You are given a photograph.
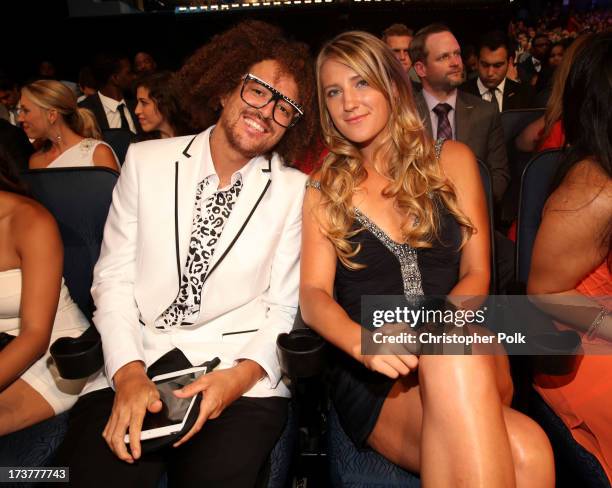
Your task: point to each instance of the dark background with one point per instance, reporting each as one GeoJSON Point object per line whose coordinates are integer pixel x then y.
{"type": "Point", "coordinates": [45, 30]}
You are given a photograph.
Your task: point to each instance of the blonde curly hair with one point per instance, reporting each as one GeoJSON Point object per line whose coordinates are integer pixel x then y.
{"type": "Point", "coordinates": [414, 174]}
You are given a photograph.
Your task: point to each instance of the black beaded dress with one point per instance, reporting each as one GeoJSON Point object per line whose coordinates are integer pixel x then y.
{"type": "Point", "coordinates": [392, 268]}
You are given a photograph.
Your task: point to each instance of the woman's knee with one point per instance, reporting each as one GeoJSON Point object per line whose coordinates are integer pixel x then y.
{"type": "Point", "coordinates": [531, 450]}
{"type": "Point", "coordinates": [469, 377]}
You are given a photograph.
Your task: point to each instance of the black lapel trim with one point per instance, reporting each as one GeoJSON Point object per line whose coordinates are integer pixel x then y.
{"type": "Point", "coordinates": [176, 226]}
{"type": "Point", "coordinates": [186, 150]}
{"type": "Point", "coordinates": [240, 231]}
{"type": "Point", "coordinates": [269, 168]}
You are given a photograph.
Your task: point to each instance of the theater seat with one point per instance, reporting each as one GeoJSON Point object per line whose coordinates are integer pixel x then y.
{"type": "Point", "coordinates": [352, 468]}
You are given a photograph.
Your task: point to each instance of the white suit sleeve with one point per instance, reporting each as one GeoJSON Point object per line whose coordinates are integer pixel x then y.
{"type": "Point", "coordinates": [116, 315]}
{"type": "Point", "coordinates": [282, 295]}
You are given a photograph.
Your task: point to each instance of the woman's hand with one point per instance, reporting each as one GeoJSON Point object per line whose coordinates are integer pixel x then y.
{"type": "Point", "coordinates": [391, 358]}
{"type": "Point", "coordinates": [391, 366]}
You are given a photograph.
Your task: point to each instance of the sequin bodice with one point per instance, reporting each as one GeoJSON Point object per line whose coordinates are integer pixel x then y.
{"type": "Point", "coordinates": [393, 268]}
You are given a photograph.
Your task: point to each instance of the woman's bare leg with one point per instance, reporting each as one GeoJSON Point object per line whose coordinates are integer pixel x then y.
{"type": "Point", "coordinates": [454, 429]}
{"type": "Point", "coordinates": [22, 406]}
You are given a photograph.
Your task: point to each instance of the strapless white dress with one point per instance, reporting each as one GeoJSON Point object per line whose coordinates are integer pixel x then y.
{"type": "Point", "coordinates": [69, 322]}
{"type": "Point", "coordinates": [80, 154]}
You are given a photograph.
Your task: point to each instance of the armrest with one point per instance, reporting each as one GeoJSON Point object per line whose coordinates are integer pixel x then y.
{"type": "Point", "coordinates": [78, 357]}
{"type": "Point", "coordinates": [302, 353]}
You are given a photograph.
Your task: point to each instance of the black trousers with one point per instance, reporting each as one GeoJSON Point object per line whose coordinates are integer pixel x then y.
{"type": "Point", "coordinates": [228, 452]}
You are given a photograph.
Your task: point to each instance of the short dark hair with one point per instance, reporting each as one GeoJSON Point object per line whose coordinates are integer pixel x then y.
{"type": "Point", "coordinates": [396, 30]}
{"type": "Point", "coordinates": [218, 68]}
{"type": "Point", "coordinates": [105, 65]}
{"type": "Point", "coordinates": [163, 92]}
{"type": "Point", "coordinates": [417, 46]}
{"type": "Point", "coordinates": [541, 35]}
{"type": "Point", "coordinates": [493, 40]}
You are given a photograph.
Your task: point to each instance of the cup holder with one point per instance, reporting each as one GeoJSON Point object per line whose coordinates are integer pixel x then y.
{"type": "Point", "coordinates": [78, 357]}
{"type": "Point", "coordinates": [302, 353]}
{"type": "Point", "coordinates": [555, 353]}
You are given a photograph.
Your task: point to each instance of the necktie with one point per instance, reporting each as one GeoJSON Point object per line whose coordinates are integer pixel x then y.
{"type": "Point", "coordinates": [124, 121]}
{"type": "Point", "coordinates": [493, 95]}
{"type": "Point", "coordinates": [444, 128]}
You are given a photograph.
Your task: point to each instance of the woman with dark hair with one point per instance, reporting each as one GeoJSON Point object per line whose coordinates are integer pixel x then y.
{"type": "Point", "coordinates": [576, 231]}
{"type": "Point", "coordinates": [392, 213]}
{"type": "Point", "coordinates": [49, 112]}
{"type": "Point", "coordinates": [35, 309]}
{"type": "Point", "coordinates": [158, 109]}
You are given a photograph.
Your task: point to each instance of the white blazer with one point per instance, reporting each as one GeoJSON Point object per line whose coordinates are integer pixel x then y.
{"type": "Point", "coordinates": [251, 291]}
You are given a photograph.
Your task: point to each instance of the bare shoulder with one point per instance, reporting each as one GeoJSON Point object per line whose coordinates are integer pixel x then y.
{"type": "Point", "coordinates": [586, 188]}
{"type": "Point", "coordinates": [315, 176]}
{"type": "Point", "coordinates": [27, 218]}
{"type": "Point", "coordinates": [458, 162]}
{"type": "Point", "coordinates": [104, 156]}
{"type": "Point", "coordinates": [40, 159]}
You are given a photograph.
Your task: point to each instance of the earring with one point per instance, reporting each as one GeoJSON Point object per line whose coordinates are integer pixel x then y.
{"type": "Point", "coordinates": [58, 138]}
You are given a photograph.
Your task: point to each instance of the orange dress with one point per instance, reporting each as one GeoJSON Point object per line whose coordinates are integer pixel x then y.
{"type": "Point", "coordinates": [584, 402]}
{"type": "Point", "coordinates": [555, 139]}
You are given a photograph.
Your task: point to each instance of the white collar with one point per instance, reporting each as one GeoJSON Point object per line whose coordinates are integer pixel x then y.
{"type": "Point", "coordinates": [110, 103]}
{"type": "Point", "coordinates": [483, 89]}
{"type": "Point", "coordinates": [208, 168]}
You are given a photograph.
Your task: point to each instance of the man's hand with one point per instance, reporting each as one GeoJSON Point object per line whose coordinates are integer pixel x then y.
{"type": "Point", "coordinates": [219, 390]}
{"type": "Point", "coordinates": [135, 394]}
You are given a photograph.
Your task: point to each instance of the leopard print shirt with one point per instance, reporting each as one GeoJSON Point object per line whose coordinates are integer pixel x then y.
{"type": "Point", "coordinates": [209, 218]}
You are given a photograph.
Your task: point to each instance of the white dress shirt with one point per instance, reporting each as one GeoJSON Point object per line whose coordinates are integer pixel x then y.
{"type": "Point", "coordinates": [486, 94]}
{"type": "Point", "coordinates": [431, 102]}
{"type": "Point", "coordinates": [112, 112]}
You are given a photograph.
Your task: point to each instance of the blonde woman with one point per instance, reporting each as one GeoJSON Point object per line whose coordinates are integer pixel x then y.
{"type": "Point", "coordinates": [390, 213]}
{"type": "Point", "coordinates": [48, 112]}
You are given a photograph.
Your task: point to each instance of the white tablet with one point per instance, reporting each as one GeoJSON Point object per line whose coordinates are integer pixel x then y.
{"type": "Point", "coordinates": [175, 411]}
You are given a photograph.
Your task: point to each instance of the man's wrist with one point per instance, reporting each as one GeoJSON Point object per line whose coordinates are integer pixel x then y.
{"type": "Point", "coordinates": [250, 372]}
{"type": "Point", "coordinates": [129, 370]}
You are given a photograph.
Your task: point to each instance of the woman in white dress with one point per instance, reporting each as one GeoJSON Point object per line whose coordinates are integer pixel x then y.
{"type": "Point", "coordinates": [69, 134]}
{"type": "Point", "coordinates": [35, 309]}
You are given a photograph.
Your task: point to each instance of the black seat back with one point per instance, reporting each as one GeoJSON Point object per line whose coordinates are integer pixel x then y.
{"type": "Point", "coordinates": [119, 140]}
{"type": "Point", "coordinates": [485, 176]}
{"type": "Point", "coordinates": [535, 185]}
{"type": "Point", "coordinates": [514, 121]}
{"type": "Point", "coordinates": [79, 199]}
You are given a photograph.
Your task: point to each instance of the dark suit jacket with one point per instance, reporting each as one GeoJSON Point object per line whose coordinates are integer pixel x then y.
{"type": "Point", "coordinates": [526, 70]}
{"type": "Point", "coordinates": [93, 103]}
{"type": "Point", "coordinates": [478, 125]}
{"type": "Point", "coordinates": [516, 95]}
{"type": "Point", "coordinates": [15, 145]}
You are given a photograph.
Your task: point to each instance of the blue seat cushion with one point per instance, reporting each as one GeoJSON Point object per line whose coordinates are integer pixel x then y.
{"type": "Point", "coordinates": [352, 468]}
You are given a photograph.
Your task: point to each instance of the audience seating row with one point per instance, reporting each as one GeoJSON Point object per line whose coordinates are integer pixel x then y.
{"type": "Point", "coordinates": [79, 199]}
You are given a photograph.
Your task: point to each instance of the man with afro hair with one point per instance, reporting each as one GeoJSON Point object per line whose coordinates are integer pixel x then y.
{"type": "Point", "coordinates": [200, 259]}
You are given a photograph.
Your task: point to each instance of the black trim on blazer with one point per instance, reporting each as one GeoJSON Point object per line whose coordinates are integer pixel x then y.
{"type": "Point", "coordinates": [185, 151]}
{"type": "Point", "coordinates": [239, 232]}
{"type": "Point", "coordinates": [269, 168]}
{"type": "Point", "coordinates": [176, 229]}
{"type": "Point", "coordinates": [239, 332]}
